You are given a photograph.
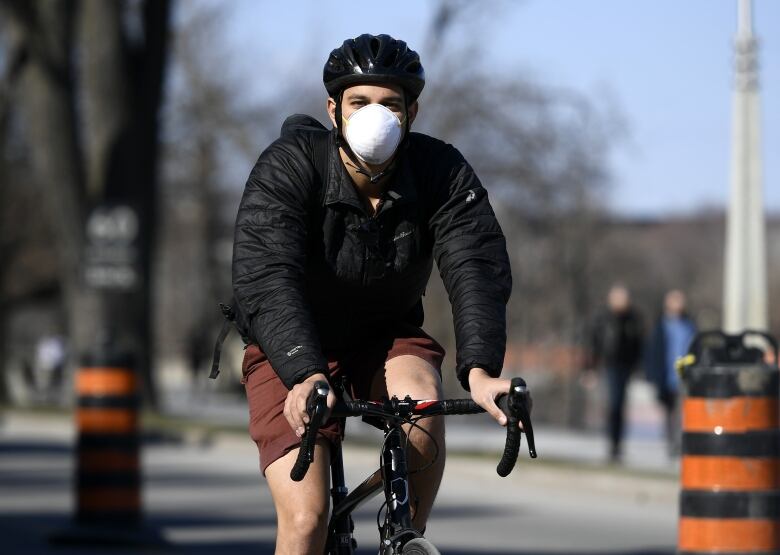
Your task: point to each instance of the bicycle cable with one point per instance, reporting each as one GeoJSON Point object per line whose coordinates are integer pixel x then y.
{"type": "Point", "coordinates": [437, 451]}
{"type": "Point", "coordinates": [378, 516]}
{"type": "Point", "coordinates": [413, 423]}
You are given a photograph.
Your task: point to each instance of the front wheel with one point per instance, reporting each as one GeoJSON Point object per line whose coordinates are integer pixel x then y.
{"type": "Point", "coordinates": [419, 546]}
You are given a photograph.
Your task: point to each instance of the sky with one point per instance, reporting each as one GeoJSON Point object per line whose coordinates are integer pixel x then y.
{"type": "Point", "coordinates": [665, 65]}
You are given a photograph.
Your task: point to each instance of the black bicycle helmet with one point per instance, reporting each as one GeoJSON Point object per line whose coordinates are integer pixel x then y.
{"type": "Point", "coordinates": [374, 59]}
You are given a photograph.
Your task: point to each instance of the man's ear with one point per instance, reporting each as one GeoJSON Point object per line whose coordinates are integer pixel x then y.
{"type": "Point", "coordinates": [411, 112]}
{"type": "Point", "coordinates": [332, 111]}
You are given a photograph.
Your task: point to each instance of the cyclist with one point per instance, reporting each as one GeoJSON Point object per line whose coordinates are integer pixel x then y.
{"type": "Point", "coordinates": [330, 268]}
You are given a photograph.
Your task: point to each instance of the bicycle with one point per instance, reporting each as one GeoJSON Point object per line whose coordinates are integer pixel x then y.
{"type": "Point", "coordinates": [397, 536]}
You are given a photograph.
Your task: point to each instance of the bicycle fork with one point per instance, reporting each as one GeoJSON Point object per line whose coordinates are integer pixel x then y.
{"type": "Point", "coordinates": [341, 527]}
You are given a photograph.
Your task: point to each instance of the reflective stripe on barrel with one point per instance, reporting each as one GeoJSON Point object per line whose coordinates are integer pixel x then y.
{"type": "Point", "coordinates": [730, 472]}
{"type": "Point", "coordinates": [717, 535]}
{"type": "Point", "coordinates": [106, 381]}
{"type": "Point", "coordinates": [738, 414]}
{"type": "Point", "coordinates": [108, 469]}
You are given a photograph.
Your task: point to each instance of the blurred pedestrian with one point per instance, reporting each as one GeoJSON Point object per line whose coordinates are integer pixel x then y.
{"type": "Point", "coordinates": [616, 344]}
{"type": "Point", "coordinates": [198, 351]}
{"type": "Point", "coordinates": [670, 340]}
{"type": "Point", "coordinates": [50, 357]}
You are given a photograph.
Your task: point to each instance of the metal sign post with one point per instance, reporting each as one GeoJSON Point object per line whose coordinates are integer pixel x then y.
{"type": "Point", "coordinates": [108, 474]}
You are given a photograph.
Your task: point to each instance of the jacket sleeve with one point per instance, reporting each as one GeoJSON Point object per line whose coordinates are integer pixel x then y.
{"type": "Point", "coordinates": [470, 251]}
{"type": "Point", "coordinates": [269, 256]}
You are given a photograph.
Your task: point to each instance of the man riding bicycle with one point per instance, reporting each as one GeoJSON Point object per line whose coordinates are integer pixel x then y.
{"type": "Point", "coordinates": [334, 245]}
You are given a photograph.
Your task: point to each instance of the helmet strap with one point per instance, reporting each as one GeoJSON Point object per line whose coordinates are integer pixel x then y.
{"type": "Point", "coordinates": [339, 136]}
{"type": "Point", "coordinates": [407, 124]}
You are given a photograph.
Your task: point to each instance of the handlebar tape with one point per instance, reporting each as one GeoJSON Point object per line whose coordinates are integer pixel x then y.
{"type": "Point", "coordinates": [516, 406]}
{"type": "Point", "coordinates": [317, 407]}
{"type": "Point", "coordinates": [461, 406]}
{"type": "Point", "coordinates": [512, 445]}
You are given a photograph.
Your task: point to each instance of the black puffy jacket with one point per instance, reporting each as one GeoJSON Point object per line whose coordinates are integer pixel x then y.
{"type": "Point", "coordinates": [312, 270]}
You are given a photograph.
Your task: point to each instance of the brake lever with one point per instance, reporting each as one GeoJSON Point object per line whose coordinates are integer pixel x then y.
{"type": "Point", "coordinates": [318, 403]}
{"type": "Point", "coordinates": [522, 399]}
{"type": "Point", "coordinates": [519, 404]}
{"type": "Point", "coordinates": [516, 407]}
{"type": "Point", "coordinates": [316, 406]}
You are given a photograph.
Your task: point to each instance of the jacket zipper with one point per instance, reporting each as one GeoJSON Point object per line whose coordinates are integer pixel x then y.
{"type": "Point", "coordinates": [366, 257]}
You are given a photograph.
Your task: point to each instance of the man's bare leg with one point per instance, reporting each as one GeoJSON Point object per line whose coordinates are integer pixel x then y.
{"type": "Point", "coordinates": [411, 375]}
{"type": "Point", "coordinates": [301, 507]}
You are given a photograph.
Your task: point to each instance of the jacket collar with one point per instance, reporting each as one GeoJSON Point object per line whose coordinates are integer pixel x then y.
{"type": "Point", "coordinates": [340, 189]}
{"type": "Point", "coordinates": [402, 188]}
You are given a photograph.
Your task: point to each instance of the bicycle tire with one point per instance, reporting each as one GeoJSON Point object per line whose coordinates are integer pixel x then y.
{"type": "Point", "coordinates": [419, 546]}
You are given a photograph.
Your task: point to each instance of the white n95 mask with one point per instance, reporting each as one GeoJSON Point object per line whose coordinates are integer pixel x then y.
{"type": "Point", "coordinates": [373, 133]}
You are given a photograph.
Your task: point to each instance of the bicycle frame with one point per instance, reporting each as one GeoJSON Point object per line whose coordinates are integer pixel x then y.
{"type": "Point", "coordinates": [392, 477]}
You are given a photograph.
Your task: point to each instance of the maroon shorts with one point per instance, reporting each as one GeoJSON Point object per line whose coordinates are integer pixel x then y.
{"type": "Point", "coordinates": [266, 393]}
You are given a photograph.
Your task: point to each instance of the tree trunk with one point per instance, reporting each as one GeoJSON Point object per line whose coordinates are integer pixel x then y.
{"type": "Point", "coordinates": [150, 80]}
{"type": "Point", "coordinates": [4, 394]}
{"type": "Point", "coordinates": [105, 97]}
{"type": "Point", "coordinates": [47, 99]}
{"type": "Point", "coordinates": [122, 83]}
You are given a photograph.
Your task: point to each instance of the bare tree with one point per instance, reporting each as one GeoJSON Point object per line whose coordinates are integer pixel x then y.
{"type": "Point", "coordinates": [543, 154]}
{"type": "Point", "coordinates": [89, 89]}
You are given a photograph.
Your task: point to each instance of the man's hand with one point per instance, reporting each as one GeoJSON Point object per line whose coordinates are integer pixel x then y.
{"type": "Point", "coordinates": [485, 389]}
{"type": "Point", "coordinates": [295, 404]}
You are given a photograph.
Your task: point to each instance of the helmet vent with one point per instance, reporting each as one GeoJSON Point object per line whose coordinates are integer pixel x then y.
{"type": "Point", "coordinates": [414, 67]}
{"type": "Point", "coordinates": [390, 59]}
{"type": "Point", "coordinates": [335, 64]}
{"type": "Point", "coordinates": [375, 47]}
{"type": "Point", "coordinates": [358, 56]}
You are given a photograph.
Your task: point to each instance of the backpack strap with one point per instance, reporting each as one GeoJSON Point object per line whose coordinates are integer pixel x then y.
{"type": "Point", "coordinates": [230, 319]}
{"type": "Point", "coordinates": [320, 141]}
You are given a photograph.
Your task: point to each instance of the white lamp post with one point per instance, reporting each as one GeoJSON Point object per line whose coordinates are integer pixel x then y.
{"type": "Point", "coordinates": [745, 280]}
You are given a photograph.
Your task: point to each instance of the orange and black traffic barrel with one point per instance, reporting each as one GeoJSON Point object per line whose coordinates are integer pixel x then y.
{"type": "Point", "coordinates": [108, 477]}
{"type": "Point", "coordinates": [730, 473]}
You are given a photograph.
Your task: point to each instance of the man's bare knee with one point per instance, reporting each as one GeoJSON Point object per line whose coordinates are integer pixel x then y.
{"type": "Point", "coordinates": [301, 507]}
{"type": "Point", "coordinates": [305, 522]}
{"type": "Point", "coordinates": [413, 376]}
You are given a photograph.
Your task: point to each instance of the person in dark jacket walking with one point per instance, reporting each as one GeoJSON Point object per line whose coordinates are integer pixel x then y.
{"type": "Point", "coordinates": [670, 340]}
{"type": "Point", "coordinates": [329, 267]}
{"type": "Point", "coordinates": [616, 344]}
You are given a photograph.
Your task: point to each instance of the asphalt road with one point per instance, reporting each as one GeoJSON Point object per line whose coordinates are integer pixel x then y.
{"type": "Point", "coordinates": [208, 497]}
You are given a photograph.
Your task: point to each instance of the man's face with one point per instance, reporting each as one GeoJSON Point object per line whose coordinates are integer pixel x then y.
{"type": "Point", "coordinates": [354, 98]}
{"type": "Point", "coordinates": [618, 299]}
{"type": "Point", "coordinates": [674, 303]}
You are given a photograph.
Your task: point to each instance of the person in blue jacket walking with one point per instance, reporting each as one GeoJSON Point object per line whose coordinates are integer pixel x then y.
{"type": "Point", "coordinates": [669, 340]}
